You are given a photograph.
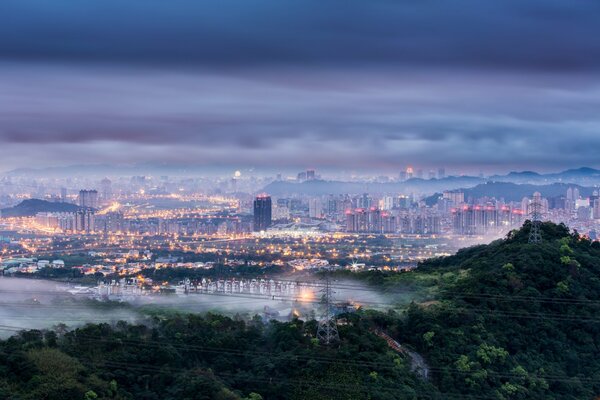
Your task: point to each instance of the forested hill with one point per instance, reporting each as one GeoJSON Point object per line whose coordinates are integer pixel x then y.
{"type": "Point", "coordinates": [514, 320]}
{"type": "Point", "coordinates": [30, 207]}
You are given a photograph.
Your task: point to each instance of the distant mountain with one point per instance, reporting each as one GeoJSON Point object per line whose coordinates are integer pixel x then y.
{"type": "Point", "coordinates": [30, 207]}
{"type": "Point", "coordinates": [515, 192]}
{"type": "Point", "coordinates": [322, 187]}
{"type": "Point", "coordinates": [584, 175]}
{"type": "Point", "coordinates": [523, 174]}
{"type": "Point", "coordinates": [512, 186]}
{"type": "Point", "coordinates": [580, 172]}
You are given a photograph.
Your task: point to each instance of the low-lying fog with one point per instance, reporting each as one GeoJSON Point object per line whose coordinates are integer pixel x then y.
{"type": "Point", "coordinates": [40, 304]}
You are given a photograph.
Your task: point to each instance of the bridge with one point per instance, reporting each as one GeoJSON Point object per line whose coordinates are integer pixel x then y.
{"type": "Point", "coordinates": [128, 288]}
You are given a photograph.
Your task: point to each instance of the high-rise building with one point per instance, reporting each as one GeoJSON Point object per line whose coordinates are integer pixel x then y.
{"type": "Point", "coordinates": [109, 223]}
{"type": "Point", "coordinates": [315, 209]}
{"type": "Point", "coordinates": [596, 209]}
{"type": "Point", "coordinates": [262, 212]}
{"type": "Point", "coordinates": [483, 219]}
{"type": "Point", "coordinates": [456, 197]}
{"type": "Point", "coordinates": [84, 221]}
{"type": "Point", "coordinates": [441, 173]}
{"type": "Point", "coordinates": [88, 199]}
{"type": "Point", "coordinates": [63, 194]}
{"type": "Point", "coordinates": [106, 189]}
{"type": "Point", "coordinates": [387, 203]}
{"type": "Point", "coordinates": [372, 220]}
{"type": "Point", "coordinates": [572, 197]}
{"type": "Point", "coordinates": [365, 201]}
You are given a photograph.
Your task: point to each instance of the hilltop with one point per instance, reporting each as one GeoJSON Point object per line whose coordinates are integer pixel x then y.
{"type": "Point", "coordinates": [30, 207]}
{"type": "Point", "coordinates": [512, 320]}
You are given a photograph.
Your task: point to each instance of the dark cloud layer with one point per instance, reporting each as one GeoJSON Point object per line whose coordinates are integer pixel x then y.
{"type": "Point", "coordinates": [342, 84]}
{"type": "Point", "coordinates": [531, 34]}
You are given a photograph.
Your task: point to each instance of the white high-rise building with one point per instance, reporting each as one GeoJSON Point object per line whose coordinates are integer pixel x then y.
{"type": "Point", "coordinates": [387, 203]}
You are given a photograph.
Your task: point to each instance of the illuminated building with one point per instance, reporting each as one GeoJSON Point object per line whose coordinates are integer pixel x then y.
{"type": "Point", "coordinates": [481, 220]}
{"type": "Point", "coordinates": [84, 221]}
{"type": "Point", "coordinates": [109, 223]}
{"type": "Point", "coordinates": [262, 213]}
{"type": "Point", "coordinates": [373, 220]}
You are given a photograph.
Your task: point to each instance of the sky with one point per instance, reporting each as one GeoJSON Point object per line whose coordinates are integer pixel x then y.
{"type": "Point", "coordinates": [374, 85]}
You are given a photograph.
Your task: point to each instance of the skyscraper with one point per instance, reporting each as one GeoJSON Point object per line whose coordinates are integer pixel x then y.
{"type": "Point", "coordinates": [315, 208]}
{"type": "Point", "coordinates": [63, 194]}
{"type": "Point", "coordinates": [84, 221]}
{"type": "Point", "coordinates": [106, 186]}
{"type": "Point", "coordinates": [88, 198]}
{"type": "Point", "coordinates": [596, 209]}
{"type": "Point", "coordinates": [262, 212]}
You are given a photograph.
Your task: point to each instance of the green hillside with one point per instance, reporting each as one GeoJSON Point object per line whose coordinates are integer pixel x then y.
{"type": "Point", "coordinates": [518, 321]}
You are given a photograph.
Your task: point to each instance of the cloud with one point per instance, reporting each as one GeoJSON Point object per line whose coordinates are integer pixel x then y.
{"type": "Point", "coordinates": [353, 84]}
{"type": "Point", "coordinates": [360, 119]}
{"type": "Point", "coordinates": [515, 34]}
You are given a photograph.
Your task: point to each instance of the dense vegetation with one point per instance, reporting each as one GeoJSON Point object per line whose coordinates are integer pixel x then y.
{"type": "Point", "coordinates": [508, 320]}
{"type": "Point", "coordinates": [204, 357]}
{"type": "Point", "coordinates": [517, 321]}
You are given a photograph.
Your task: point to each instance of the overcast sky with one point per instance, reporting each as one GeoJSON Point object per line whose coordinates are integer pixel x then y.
{"type": "Point", "coordinates": [469, 85]}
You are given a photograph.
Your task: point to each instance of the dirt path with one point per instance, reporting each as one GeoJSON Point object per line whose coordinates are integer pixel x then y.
{"type": "Point", "coordinates": [417, 362]}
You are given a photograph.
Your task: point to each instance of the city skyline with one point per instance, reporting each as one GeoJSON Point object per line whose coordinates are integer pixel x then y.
{"type": "Point", "coordinates": [468, 86]}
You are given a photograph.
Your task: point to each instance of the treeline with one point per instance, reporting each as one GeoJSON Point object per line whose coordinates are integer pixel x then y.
{"type": "Point", "coordinates": [514, 321]}
{"type": "Point", "coordinates": [205, 357]}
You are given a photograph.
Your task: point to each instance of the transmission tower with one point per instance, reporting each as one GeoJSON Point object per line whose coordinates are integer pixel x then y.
{"type": "Point", "coordinates": [327, 331]}
{"type": "Point", "coordinates": [535, 234]}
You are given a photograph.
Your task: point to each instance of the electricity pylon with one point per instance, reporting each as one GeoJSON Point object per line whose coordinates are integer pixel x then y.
{"type": "Point", "coordinates": [535, 233]}
{"type": "Point", "coordinates": [327, 331]}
